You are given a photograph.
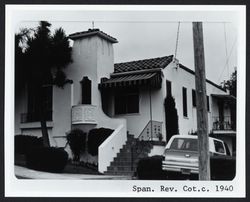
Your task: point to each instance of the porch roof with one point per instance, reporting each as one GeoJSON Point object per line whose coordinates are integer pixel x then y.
{"type": "Point", "coordinates": [146, 64]}
{"type": "Point", "coordinates": [133, 79]}
{"type": "Point", "coordinates": [224, 97]}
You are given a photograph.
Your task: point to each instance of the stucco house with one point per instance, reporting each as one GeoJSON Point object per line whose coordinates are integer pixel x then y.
{"type": "Point", "coordinates": [126, 97]}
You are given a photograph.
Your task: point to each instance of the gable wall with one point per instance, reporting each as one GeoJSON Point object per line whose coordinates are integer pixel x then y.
{"type": "Point", "coordinates": [181, 78]}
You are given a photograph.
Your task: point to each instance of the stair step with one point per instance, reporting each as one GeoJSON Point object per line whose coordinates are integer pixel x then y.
{"type": "Point", "coordinates": [124, 163]}
{"type": "Point", "coordinates": [122, 168]}
{"type": "Point", "coordinates": [128, 157]}
{"type": "Point", "coordinates": [134, 151]}
{"type": "Point", "coordinates": [120, 173]}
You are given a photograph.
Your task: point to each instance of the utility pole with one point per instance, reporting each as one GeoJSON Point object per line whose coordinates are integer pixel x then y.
{"type": "Point", "coordinates": [201, 102]}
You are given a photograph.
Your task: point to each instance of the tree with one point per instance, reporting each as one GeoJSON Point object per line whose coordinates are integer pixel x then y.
{"type": "Point", "coordinates": [231, 84]}
{"type": "Point", "coordinates": [172, 126]}
{"type": "Point", "coordinates": [20, 39]}
{"type": "Point", "coordinates": [42, 56]}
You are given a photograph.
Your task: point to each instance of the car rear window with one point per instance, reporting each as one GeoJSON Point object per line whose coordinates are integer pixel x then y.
{"type": "Point", "coordinates": [184, 144]}
{"type": "Point", "coordinates": [219, 146]}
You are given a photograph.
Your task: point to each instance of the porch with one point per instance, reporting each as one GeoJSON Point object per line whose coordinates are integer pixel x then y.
{"type": "Point", "coordinates": [224, 120]}
{"type": "Point", "coordinates": [224, 123]}
{"type": "Point", "coordinates": [224, 115]}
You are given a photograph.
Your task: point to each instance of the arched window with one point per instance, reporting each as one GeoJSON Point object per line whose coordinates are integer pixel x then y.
{"type": "Point", "coordinates": [86, 90]}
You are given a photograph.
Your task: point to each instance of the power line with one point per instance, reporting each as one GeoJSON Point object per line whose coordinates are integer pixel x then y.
{"type": "Point", "coordinates": [225, 37]}
{"type": "Point", "coordinates": [227, 59]}
{"type": "Point", "coordinates": [177, 40]}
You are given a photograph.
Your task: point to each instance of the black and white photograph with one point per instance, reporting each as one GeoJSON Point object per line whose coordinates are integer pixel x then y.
{"type": "Point", "coordinates": [140, 101]}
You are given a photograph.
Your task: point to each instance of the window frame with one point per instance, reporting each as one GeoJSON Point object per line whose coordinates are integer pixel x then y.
{"type": "Point", "coordinates": [208, 104]}
{"type": "Point", "coordinates": [194, 98]}
{"type": "Point", "coordinates": [169, 88]}
{"type": "Point", "coordinates": [86, 90]}
{"type": "Point", "coordinates": [184, 102]}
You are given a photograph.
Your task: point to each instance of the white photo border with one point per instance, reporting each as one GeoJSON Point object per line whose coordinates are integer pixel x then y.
{"type": "Point", "coordinates": [116, 188]}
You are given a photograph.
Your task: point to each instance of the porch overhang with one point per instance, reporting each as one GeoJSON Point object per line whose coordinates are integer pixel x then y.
{"type": "Point", "coordinates": [130, 79]}
{"type": "Point", "coordinates": [224, 97]}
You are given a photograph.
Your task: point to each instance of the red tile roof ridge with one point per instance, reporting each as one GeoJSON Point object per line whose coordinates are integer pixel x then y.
{"type": "Point", "coordinates": [136, 65]}
{"type": "Point", "coordinates": [92, 31]}
{"type": "Point", "coordinates": [140, 60]}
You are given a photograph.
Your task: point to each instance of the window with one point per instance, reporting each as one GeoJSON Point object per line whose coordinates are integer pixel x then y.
{"type": "Point", "coordinates": [127, 101]}
{"type": "Point", "coordinates": [169, 88]}
{"type": "Point", "coordinates": [86, 90]}
{"type": "Point", "coordinates": [208, 106]}
{"type": "Point", "coordinates": [219, 146]}
{"type": "Point", "coordinates": [35, 104]}
{"type": "Point", "coordinates": [194, 98]}
{"type": "Point", "coordinates": [184, 101]}
{"type": "Point", "coordinates": [184, 144]}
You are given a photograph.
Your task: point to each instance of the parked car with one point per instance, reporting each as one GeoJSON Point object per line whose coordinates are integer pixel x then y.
{"type": "Point", "coordinates": [181, 158]}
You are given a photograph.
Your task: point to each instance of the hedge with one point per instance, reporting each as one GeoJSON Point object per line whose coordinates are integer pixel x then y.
{"type": "Point", "coordinates": [77, 141]}
{"type": "Point", "coordinates": [96, 137]}
{"type": "Point", "coordinates": [151, 168]}
{"type": "Point", "coordinates": [25, 143]}
{"type": "Point", "coordinates": [222, 167]}
{"type": "Point", "coordinates": [49, 159]}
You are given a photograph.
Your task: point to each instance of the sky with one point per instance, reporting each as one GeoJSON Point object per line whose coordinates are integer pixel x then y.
{"type": "Point", "coordinates": [144, 34]}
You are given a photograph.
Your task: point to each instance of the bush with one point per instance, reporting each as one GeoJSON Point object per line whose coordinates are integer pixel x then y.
{"type": "Point", "coordinates": [48, 159]}
{"type": "Point", "coordinates": [171, 117]}
{"type": "Point", "coordinates": [151, 168]}
{"type": "Point", "coordinates": [25, 143]}
{"type": "Point", "coordinates": [96, 137]}
{"type": "Point", "coordinates": [222, 167]}
{"type": "Point", "coordinates": [77, 141]}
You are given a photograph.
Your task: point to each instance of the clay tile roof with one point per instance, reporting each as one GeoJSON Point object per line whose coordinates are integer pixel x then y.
{"type": "Point", "coordinates": [93, 32]}
{"type": "Point", "coordinates": [153, 63]}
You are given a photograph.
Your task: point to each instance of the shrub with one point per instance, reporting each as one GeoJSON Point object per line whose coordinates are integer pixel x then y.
{"type": "Point", "coordinates": [77, 140]}
{"type": "Point", "coordinates": [96, 137]}
{"type": "Point", "coordinates": [25, 143]}
{"type": "Point", "coordinates": [222, 167]}
{"type": "Point", "coordinates": [171, 117]}
{"type": "Point", "coordinates": [48, 159]}
{"type": "Point", "coordinates": [151, 168]}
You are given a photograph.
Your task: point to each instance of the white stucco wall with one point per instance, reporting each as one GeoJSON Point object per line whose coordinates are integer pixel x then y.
{"type": "Point", "coordinates": [84, 64]}
{"type": "Point", "coordinates": [61, 112]}
{"type": "Point", "coordinates": [137, 121]}
{"type": "Point", "coordinates": [105, 58]}
{"type": "Point", "coordinates": [179, 78]}
{"type": "Point", "coordinates": [92, 57]}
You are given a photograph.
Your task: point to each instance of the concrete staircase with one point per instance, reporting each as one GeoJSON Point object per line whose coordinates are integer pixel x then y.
{"type": "Point", "coordinates": [125, 162]}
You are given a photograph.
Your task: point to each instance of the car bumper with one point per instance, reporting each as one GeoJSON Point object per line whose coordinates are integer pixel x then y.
{"type": "Point", "coordinates": [181, 167]}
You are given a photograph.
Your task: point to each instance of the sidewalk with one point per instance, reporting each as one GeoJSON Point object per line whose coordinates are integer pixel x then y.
{"type": "Point", "coordinates": [25, 173]}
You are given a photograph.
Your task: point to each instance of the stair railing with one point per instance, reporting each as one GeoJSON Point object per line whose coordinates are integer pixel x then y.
{"type": "Point", "coordinates": [151, 132]}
